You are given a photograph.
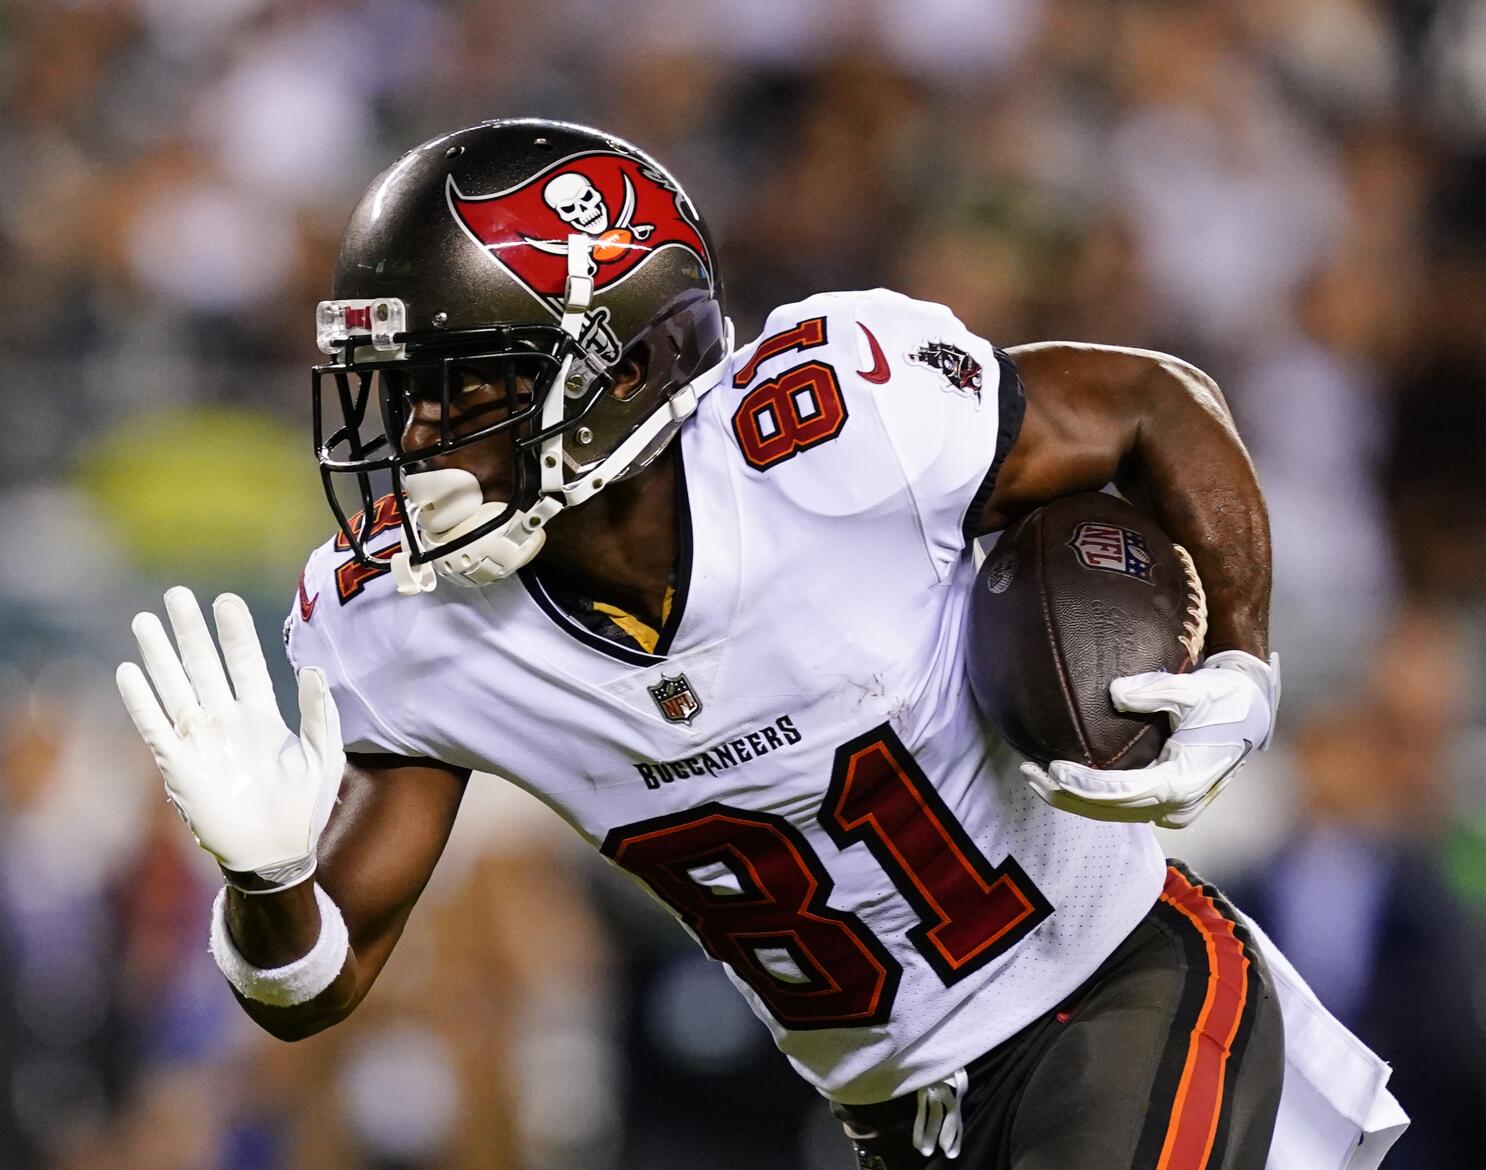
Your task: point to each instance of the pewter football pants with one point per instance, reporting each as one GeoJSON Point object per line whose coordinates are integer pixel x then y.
{"type": "Point", "coordinates": [1170, 1057]}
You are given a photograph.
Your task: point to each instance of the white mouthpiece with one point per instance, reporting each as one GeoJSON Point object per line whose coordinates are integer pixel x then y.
{"type": "Point", "coordinates": [440, 501]}
{"type": "Point", "coordinates": [446, 505]}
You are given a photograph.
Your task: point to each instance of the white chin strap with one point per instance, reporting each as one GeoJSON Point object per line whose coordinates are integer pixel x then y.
{"type": "Point", "coordinates": [445, 505]}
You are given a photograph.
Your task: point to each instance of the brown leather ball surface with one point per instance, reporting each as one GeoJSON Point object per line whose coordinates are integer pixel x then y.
{"type": "Point", "coordinates": [1074, 595]}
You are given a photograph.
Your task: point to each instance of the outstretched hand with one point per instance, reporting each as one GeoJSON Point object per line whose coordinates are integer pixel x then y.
{"type": "Point", "coordinates": [252, 793]}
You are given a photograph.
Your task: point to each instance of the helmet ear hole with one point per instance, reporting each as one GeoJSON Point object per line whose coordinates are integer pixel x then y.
{"type": "Point", "coordinates": [629, 373]}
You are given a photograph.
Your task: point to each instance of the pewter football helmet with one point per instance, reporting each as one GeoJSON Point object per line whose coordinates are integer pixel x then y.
{"type": "Point", "coordinates": [524, 249]}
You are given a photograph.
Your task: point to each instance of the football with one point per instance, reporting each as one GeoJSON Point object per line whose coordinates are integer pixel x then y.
{"type": "Point", "coordinates": [1073, 596]}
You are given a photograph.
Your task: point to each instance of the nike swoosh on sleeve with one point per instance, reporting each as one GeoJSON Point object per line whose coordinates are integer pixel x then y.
{"type": "Point", "coordinates": [306, 602]}
{"type": "Point", "coordinates": [879, 373]}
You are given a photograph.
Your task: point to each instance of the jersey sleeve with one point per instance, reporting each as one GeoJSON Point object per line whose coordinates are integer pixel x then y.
{"type": "Point", "coordinates": [316, 634]}
{"type": "Point", "coordinates": [914, 414]}
{"type": "Point", "coordinates": [951, 406]}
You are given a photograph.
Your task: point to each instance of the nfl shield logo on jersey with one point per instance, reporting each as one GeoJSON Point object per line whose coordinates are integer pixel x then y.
{"type": "Point", "coordinates": [1114, 550]}
{"type": "Point", "coordinates": [675, 698]}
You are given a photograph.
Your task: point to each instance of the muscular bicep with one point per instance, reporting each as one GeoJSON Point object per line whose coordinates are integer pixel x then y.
{"type": "Point", "coordinates": [1158, 429]}
{"type": "Point", "coordinates": [1085, 406]}
{"type": "Point", "coordinates": [389, 827]}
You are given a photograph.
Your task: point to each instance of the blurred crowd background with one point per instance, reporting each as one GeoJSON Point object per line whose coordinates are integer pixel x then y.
{"type": "Point", "coordinates": [1288, 193]}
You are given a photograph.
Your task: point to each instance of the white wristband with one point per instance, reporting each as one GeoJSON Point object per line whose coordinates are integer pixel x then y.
{"type": "Point", "coordinates": [297, 982]}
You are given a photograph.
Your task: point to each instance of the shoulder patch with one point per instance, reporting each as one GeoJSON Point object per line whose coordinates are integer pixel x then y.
{"type": "Point", "coordinates": [962, 374]}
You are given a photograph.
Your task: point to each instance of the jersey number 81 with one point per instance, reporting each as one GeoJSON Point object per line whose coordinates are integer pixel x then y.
{"type": "Point", "coordinates": [756, 895]}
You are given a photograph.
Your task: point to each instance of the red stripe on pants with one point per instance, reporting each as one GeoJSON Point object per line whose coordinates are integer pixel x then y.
{"type": "Point", "coordinates": [1199, 1095]}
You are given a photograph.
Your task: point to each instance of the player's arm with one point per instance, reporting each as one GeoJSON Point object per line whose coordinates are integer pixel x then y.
{"type": "Point", "coordinates": [314, 901]}
{"type": "Point", "coordinates": [1161, 431]}
{"type": "Point", "coordinates": [387, 832]}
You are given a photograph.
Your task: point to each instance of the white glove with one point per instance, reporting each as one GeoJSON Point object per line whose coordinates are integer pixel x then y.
{"type": "Point", "coordinates": [252, 794]}
{"type": "Point", "coordinates": [1219, 714]}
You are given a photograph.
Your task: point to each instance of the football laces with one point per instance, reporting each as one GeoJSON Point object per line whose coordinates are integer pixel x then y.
{"type": "Point", "coordinates": [1194, 624]}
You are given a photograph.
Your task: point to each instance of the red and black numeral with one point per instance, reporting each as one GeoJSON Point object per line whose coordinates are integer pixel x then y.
{"type": "Point", "coordinates": [805, 335]}
{"type": "Point", "coordinates": [969, 910]}
{"type": "Point", "coordinates": [780, 418]}
{"type": "Point", "coordinates": [792, 411]}
{"type": "Point", "coordinates": [384, 518]}
{"type": "Point", "coordinates": [352, 577]}
{"type": "Point", "coordinates": [748, 884]}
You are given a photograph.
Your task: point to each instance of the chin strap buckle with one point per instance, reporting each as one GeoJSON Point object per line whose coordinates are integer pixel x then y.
{"type": "Point", "coordinates": [684, 402]}
{"type": "Point", "coordinates": [412, 579]}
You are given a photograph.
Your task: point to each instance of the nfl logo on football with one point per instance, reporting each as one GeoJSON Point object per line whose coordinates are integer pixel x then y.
{"type": "Point", "coordinates": [675, 698]}
{"type": "Point", "coordinates": [1114, 550]}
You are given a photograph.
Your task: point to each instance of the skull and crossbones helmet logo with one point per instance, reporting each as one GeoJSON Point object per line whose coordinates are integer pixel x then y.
{"type": "Point", "coordinates": [577, 202]}
{"type": "Point", "coordinates": [562, 215]}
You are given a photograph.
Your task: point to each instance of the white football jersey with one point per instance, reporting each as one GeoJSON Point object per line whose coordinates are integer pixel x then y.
{"type": "Point", "coordinates": [800, 776]}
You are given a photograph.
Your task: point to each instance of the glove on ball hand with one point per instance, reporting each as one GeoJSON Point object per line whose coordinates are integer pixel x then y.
{"type": "Point", "coordinates": [1219, 714]}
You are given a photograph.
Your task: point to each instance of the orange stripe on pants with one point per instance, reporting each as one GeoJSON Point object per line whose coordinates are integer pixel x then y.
{"type": "Point", "coordinates": [1199, 1095]}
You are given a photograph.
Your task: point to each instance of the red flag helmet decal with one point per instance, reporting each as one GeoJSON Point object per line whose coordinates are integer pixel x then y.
{"type": "Point", "coordinates": [631, 210]}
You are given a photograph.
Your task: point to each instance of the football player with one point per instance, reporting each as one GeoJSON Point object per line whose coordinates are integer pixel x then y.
{"type": "Point", "coordinates": [707, 604]}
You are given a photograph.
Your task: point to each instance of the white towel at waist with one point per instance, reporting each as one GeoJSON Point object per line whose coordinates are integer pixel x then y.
{"type": "Point", "coordinates": [1336, 1112]}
